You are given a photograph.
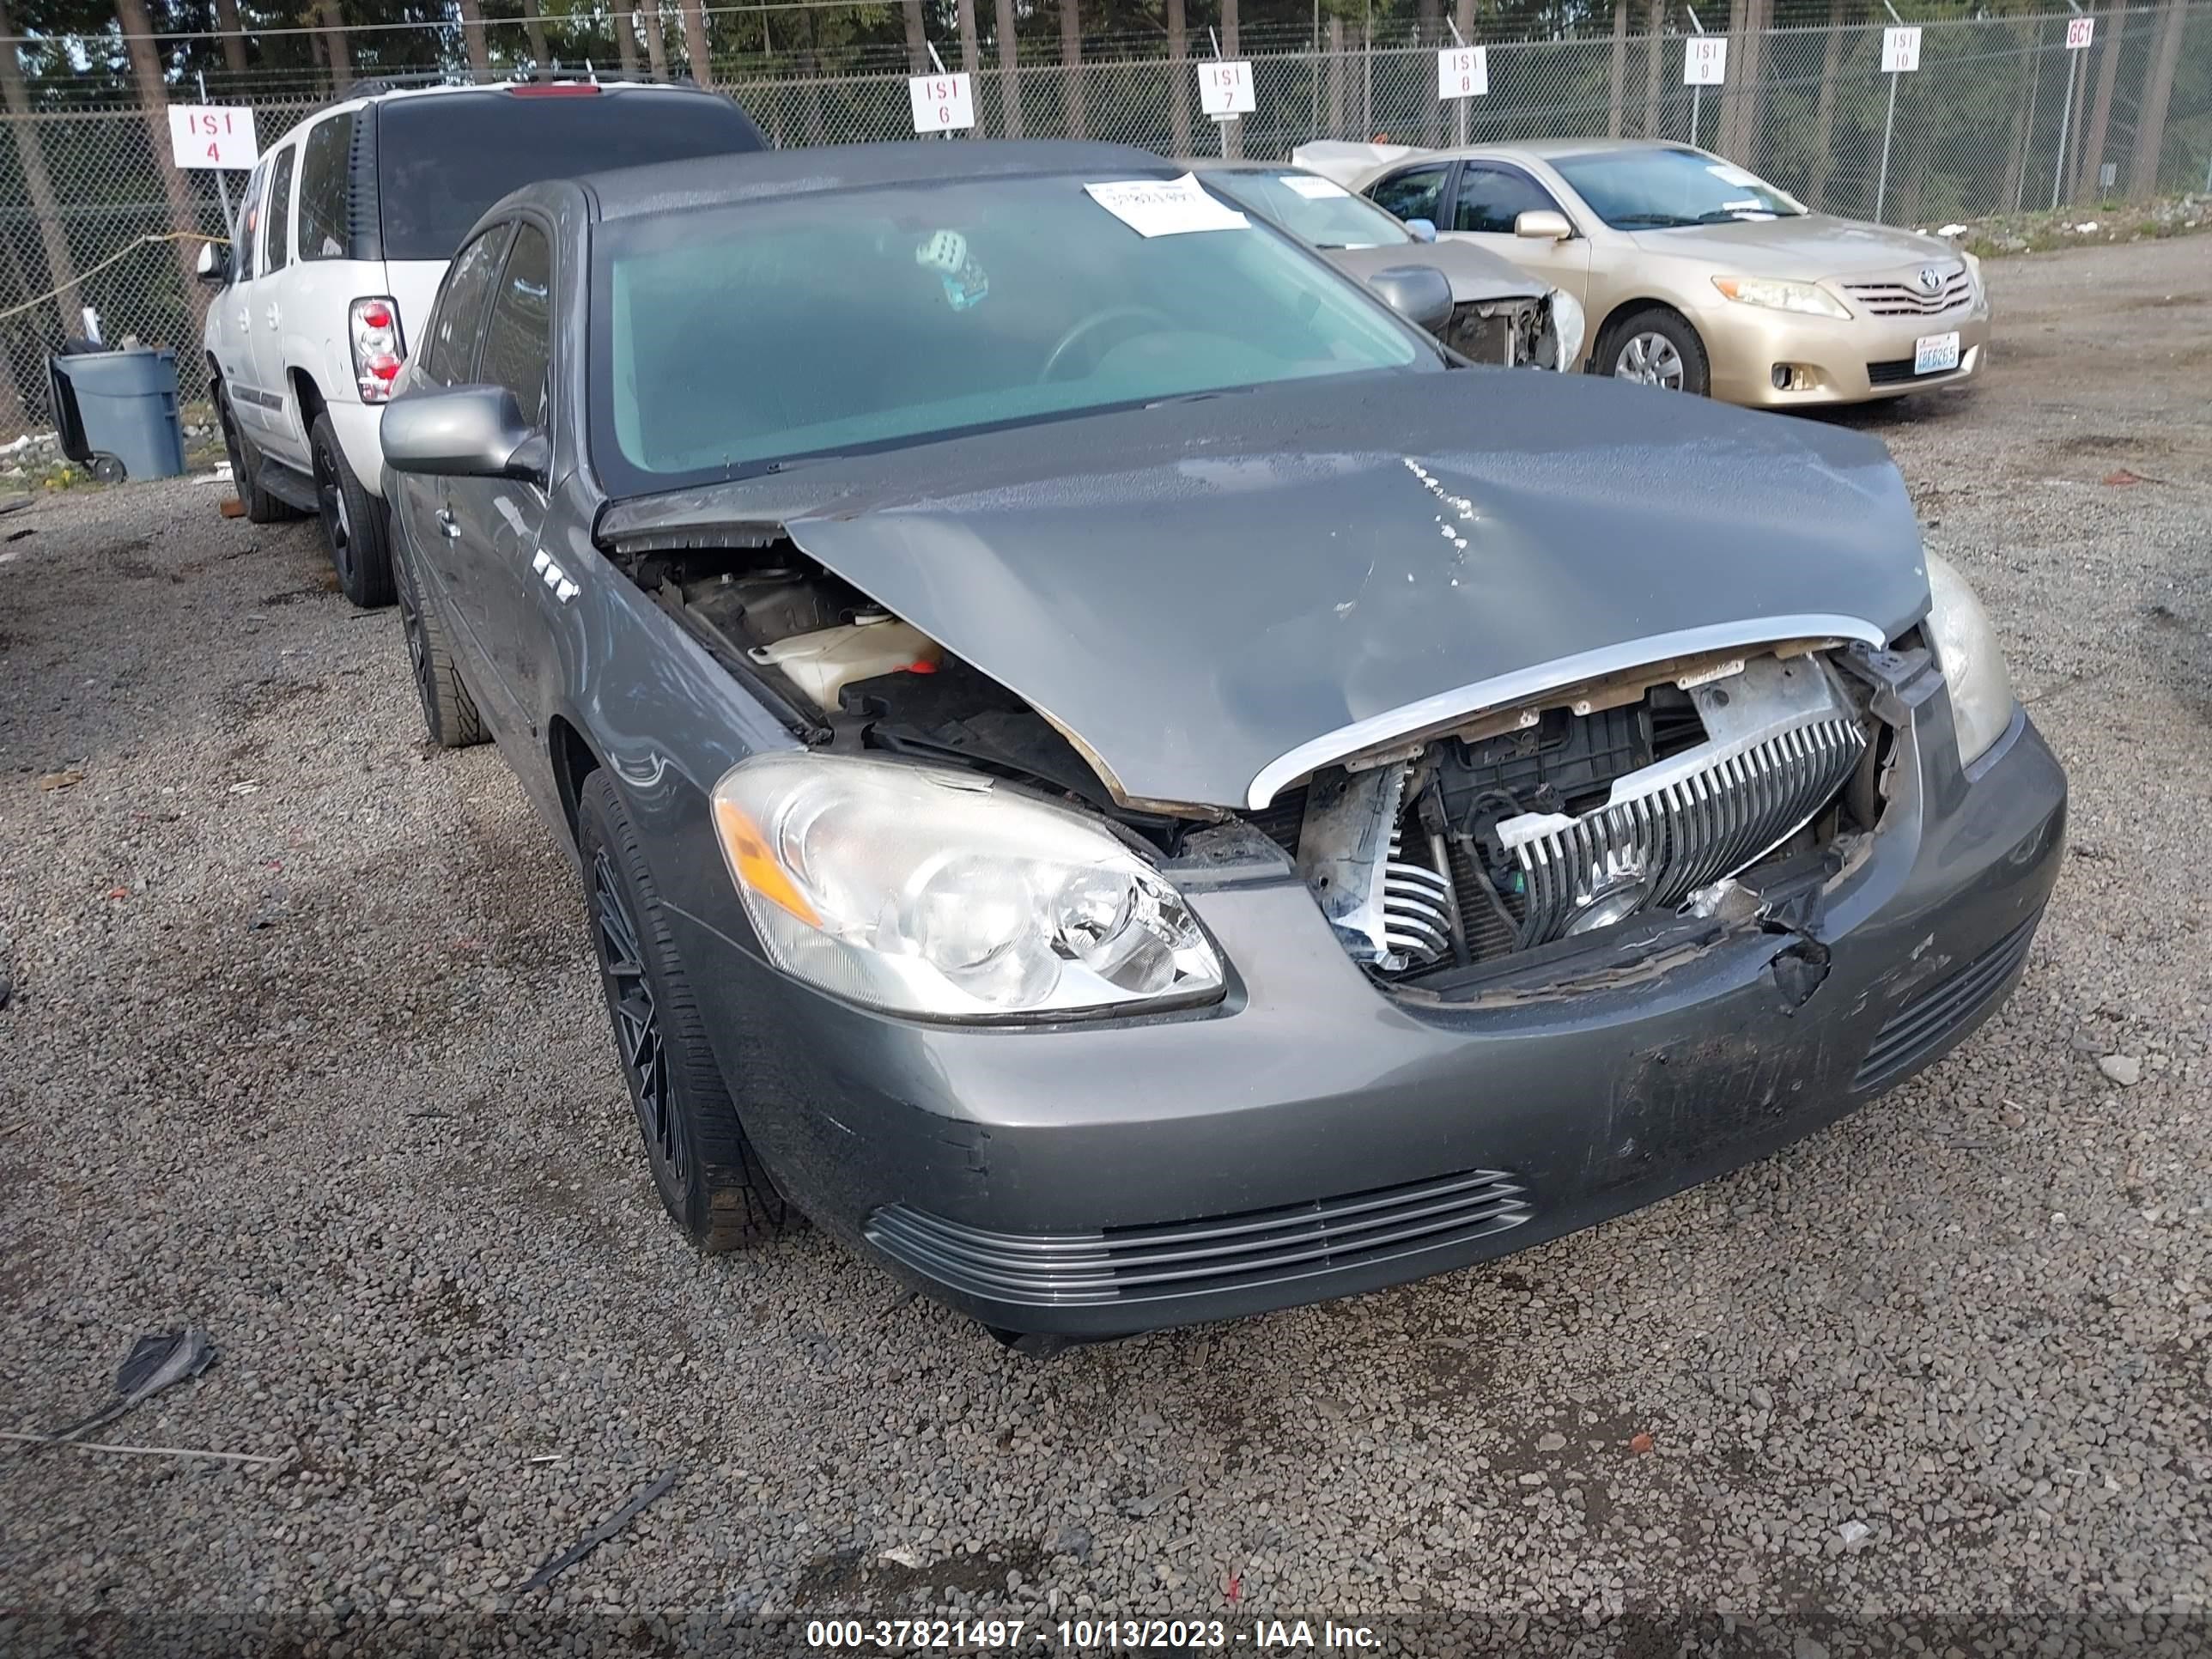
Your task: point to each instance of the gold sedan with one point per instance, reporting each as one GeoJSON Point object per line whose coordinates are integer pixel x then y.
{"type": "Point", "coordinates": [1695, 274]}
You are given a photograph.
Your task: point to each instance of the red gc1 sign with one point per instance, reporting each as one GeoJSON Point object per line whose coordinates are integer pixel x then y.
{"type": "Point", "coordinates": [212, 135]}
{"type": "Point", "coordinates": [942, 103]}
{"type": "Point", "coordinates": [2079, 32]}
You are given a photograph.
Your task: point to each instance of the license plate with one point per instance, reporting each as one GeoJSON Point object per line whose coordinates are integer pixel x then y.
{"type": "Point", "coordinates": [1934, 353]}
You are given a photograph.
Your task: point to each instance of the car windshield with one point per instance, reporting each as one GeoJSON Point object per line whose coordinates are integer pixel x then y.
{"type": "Point", "coordinates": [724, 340]}
{"type": "Point", "coordinates": [442, 159]}
{"type": "Point", "coordinates": [1664, 189]}
{"type": "Point", "coordinates": [1312, 208]}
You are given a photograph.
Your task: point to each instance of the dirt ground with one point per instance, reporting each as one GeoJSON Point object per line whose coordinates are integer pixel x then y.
{"type": "Point", "coordinates": [304, 1048]}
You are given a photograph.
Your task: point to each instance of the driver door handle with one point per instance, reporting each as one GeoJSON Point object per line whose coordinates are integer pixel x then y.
{"type": "Point", "coordinates": [271, 315]}
{"type": "Point", "coordinates": [448, 526]}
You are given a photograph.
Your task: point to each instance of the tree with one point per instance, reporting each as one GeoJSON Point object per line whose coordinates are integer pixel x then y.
{"type": "Point", "coordinates": [472, 40]}
{"type": "Point", "coordinates": [233, 35]}
{"type": "Point", "coordinates": [153, 100]}
{"type": "Point", "coordinates": [2158, 93]}
{"type": "Point", "coordinates": [30, 148]}
{"type": "Point", "coordinates": [334, 39]}
{"type": "Point", "coordinates": [1010, 84]}
{"type": "Point", "coordinates": [1655, 69]}
{"type": "Point", "coordinates": [917, 37]}
{"type": "Point", "coordinates": [1071, 64]}
{"type": "Point", "coordinates": [2087, 177]}
{"type": "Point", "coordinates": [533, 28]}
{"type": "Point", "coordinates": [625, 42]}
{"type": "Point", "coordinates": [1179, 76]}
{"type": "Point", "coordinates": [1613, 112]}
{"type": "Point", "coordinates": [1823, 115]}
{"type": "Point", "coordinates": [695, 42]}
{"type": "Point", "coordinates": [656, 44]}
{"type": "Point", "coordinates": [1739, 134]}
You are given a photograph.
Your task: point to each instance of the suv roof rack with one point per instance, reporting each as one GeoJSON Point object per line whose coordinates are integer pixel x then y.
{"type": "Point", "coordinates": [375, 86]}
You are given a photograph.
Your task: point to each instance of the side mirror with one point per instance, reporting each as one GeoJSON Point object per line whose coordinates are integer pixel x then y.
{"type": "Point", "coordinates": [1420, 293]}
{"type": "Point", "coordinates": [213, 266]}
{"type": "Point", "coordinates": [1542, 225]}
{"type": "Point", "coordinates": [1424, 230]}
{"type": "Point", "coordinates": [462, 432]}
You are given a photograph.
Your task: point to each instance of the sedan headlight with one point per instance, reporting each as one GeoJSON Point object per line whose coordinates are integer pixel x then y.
{"type": "Point", "coordinates": [1974, 278]}
{"type": "Point", "coordinates": [945, 895]}
{"type": "Point", "coordinates": [1973, 665]}
{"type": "Point", "coordinates": [1776, 294]}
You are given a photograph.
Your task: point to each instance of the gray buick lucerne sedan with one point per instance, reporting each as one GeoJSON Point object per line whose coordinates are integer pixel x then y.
{"type": "Point", "coordinates": [1111, 771]}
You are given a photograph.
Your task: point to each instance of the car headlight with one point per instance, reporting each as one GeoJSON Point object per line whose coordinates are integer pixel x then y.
{"type": "Point", "coordinates": [1974, 664]}
{"type": "Point", "coordinates": [1568, 326]}
{"type": "Point", "coordinates": [945, 895]}
{"type": "Point", "coordinates": [1776, 294]}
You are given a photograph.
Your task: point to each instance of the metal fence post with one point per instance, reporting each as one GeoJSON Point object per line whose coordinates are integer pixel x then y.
{"type": "Point", "coordinates": [2065, 114]}
{"type": "Point", "coordinates": [1888, 122]}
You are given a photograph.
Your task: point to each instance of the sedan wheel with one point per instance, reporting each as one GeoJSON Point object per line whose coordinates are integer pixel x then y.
{"type": "Point", "coordinates": [1649, 360]}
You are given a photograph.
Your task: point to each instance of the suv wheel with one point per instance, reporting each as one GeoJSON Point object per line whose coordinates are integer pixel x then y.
{"type": "Point", "coordinates": [261, 507]}
{"type": "Point", "coordinates": [449, 713]}
{"type": "Point", "coordinates": [353, 522]}
{"type": "Point", "coordinates": [709, 1178]}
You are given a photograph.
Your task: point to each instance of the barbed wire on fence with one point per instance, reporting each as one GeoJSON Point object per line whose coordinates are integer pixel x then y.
{"type": "Point", "coordinates": [2000, 115]}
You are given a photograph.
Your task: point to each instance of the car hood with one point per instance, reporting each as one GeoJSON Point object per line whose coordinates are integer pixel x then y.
{"type": "Point", "coordinates": [1474, 273]}
{"type": "Point", "coordinates": [1812, 246]}
{"type": "Point", "coordinates": [1196, 591]}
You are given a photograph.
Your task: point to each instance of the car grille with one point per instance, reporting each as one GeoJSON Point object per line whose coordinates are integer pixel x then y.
{"type": "Point", "coordinates": [1688, 832]}
{"type": "Point", "coordinates": [1898, 370]}
{"type": "Point", "coordinates": [1189, 1258]}
{"type": "Point", "coordinates": [1933, 1018]}
{"type": "Point", "coordinates": [1909, 299]}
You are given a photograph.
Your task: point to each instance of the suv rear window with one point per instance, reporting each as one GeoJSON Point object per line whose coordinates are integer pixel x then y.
{"type": "Point", "coordinates": [442, 160]}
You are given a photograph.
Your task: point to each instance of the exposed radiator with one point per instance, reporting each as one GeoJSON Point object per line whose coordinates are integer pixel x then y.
{"type": "Point", "coordinates": [1780, 742]}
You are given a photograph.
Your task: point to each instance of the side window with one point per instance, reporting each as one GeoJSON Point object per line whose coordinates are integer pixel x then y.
{"type": "Point", "coordinates": [1491, 198]}
{"type": "Point", "coordinates": [249, 221]}
{"type": "Point", "coordinates": [451, 353]}
{"type": "Point", "coordinates": [277, 216]}
{"type": "Point", "coordinates": [1412, 194]}
{"type": "Point", "coordinates": [518, 340]}
{"type": "Point", "coordinates": [326, 166]}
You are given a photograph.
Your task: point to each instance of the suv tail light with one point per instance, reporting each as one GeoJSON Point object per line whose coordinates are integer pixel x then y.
{"type": "Point", "coordinates": [378, 350]}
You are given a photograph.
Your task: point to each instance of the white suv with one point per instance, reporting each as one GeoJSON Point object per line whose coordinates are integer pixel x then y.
{"type": "Point", "coordinates": [348, 223]}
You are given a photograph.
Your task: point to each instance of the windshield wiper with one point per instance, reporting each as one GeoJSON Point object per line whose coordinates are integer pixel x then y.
{"type": "Point", "coordinates": [1654, 221]}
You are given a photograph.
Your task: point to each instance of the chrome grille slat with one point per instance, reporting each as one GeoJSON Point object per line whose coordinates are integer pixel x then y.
{"type": "Point", "coordinates": [1908, 300]}
{"type": "Point", "coordinates": [1691, 831]}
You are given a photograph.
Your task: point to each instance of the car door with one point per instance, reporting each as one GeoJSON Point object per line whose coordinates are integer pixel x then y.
{"type": "Point", "coordinates": [279, 422]}
{"type": "Point", "coordinates": [234, 345]}
{"type": "Point", "coordinates": [504, 586]}
{"type": "Point", "coordinates": [430, 508]}
{"type": "Point", "coordinates": [1489, 197]}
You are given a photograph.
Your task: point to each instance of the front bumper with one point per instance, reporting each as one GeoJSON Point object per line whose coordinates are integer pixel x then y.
{"type": "Point", "coordinates": [1313, 1137]}
{"type": "Point", "coordinates": [1843, 362]}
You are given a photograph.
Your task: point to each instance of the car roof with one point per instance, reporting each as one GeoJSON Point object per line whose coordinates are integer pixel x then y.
{"type": "Point", "coordinates": [723, 180]}
{"type": "Point", "coordinates": [1546, 149]}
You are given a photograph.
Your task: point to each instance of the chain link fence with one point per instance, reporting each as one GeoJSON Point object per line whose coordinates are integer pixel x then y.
{"type": "Point", "coordinates": [2000, 116]}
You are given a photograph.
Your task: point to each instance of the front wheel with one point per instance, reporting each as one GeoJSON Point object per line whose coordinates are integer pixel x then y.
{"type": "Point", "coordinates": [1657, 347]}
{"type": "Point", "coordinates": [709, 1178]}
{"type": "Point", "coordinates": [353, 522]}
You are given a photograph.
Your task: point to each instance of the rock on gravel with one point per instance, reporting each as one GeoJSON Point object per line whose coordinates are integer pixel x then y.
{"type": "Point", "coordinates": [379, 1149]}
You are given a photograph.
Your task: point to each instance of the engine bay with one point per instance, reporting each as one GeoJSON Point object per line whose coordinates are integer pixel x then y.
{"type": "Point", "coordinates": [1648, 795]}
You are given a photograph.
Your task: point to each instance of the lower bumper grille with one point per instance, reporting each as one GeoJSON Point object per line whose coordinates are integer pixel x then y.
{"type": "Point", "coordinates": [1223, 1252]}
{"type": "Point", "coordinates": [1898, 370]}
{"type": "Point", "coordinates": [1932, 1019]}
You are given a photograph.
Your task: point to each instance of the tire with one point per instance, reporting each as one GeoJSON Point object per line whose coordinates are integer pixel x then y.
{"type": "Point", "coordinates": [261, 507]}
{"type": "Point", "coordinates": [710, 1180]}
{"type": "Point", "coordinates": [449, 713]}
{"type": "Point", "coordinates": [1628, 354]}
{"type": "Point", "coordinates": [352, 521]}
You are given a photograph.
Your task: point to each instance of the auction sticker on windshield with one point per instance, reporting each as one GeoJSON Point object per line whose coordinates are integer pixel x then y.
{"type": "Point", "coordinates": [1165, 206]}
{"type": "Point", "coordinates": [1934, 353]}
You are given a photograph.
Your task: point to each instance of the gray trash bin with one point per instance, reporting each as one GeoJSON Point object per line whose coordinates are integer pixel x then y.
{"type": "Point", "coordinates": [116, 412]}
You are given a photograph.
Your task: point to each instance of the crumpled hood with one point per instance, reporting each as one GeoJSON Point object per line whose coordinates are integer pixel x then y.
{"type": "Point", "coordinates": [1475, 273]}
{"type": "Point", "coordinates": [1196, 590]}
{"type": "Point", "coordinates": [1810, 248]}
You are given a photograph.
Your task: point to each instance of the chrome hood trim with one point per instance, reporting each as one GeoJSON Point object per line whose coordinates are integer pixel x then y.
{"type": "Point", "coordinates": [1430, 713]}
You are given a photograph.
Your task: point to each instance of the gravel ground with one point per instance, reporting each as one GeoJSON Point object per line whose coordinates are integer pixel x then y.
{"type": "Point", "coordinates": [304, 1048]}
